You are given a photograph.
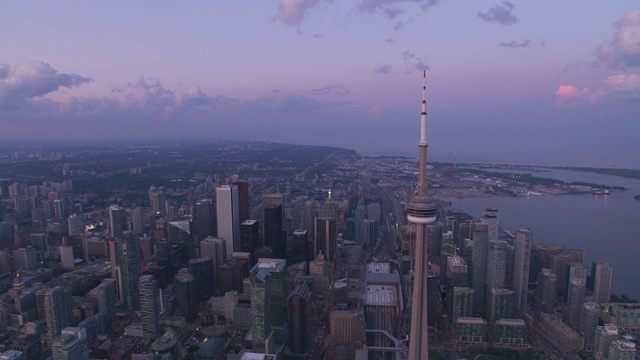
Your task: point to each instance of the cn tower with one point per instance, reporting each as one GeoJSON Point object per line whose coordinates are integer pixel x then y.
{"type": "Point", "coordinates": [421, 211]}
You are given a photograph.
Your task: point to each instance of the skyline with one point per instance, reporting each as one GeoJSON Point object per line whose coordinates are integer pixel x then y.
{"type": "Point", "coordinates": [543, 83]}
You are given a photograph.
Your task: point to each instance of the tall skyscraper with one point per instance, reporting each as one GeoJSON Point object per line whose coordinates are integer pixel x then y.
{"type": "Point", "coordinates": [243, 200]}
{"type": "Point", "coordinates": [70, 346]}
{"type": "Point", "coordinates": [156, 200]}
{"type": "Point", "coordinates": [180, 233]}
{"type": "Point", "coordinates": [138, 220]}
{"type": "Point", "coordinates": [228, 217]}
{"type": "Point", "coordinates": [370, 233]}
{"type": "Point", "coordinates": [300, 247]}
{"type": "Point", "coordinates": [106, 297]}
{"type": "Point", "coordinates": [274, 231]}
{"type": "Point", "coordinates": [216, 250]}
{"type": "Point", "coordinates": [249, 236]}
{"type": "Point", "coordinates": [57, 307]}
{"type": "Point", "coordinates": [128, 248]}
{"type": "Point", "coordinates": [359, 222]}
{"type": "Point", "coordinates": [496, 264]}
{"type": "Point", "coordinates": [117, 220]}
{"type": "Point", "coordinates": [326, 238]}
{"type": "Point", "coordinates": [479, 260]}
{"type": "Point", "coordinates": [205, 218]}
{"type": "Point", "coordinates": [589, 323]}
{"type": "Point", "coordinates": [575, 270]}
{"type": "Point", "coordinates": [277, 297]}
{"type": "Point", "coordinates": [263, 339]}
{"type": "Point", "coordinates": [421, 211]}
{"type": "Point", "coordinates": [299, 301]}
{"type": "Point", "coordinates": [490, 217]}
{"type": "Point", "coordinates": [186, 296]}
{"type": "Point", "coordinates": [202, 272]}
{"type": "Point", "coordinates": [575, 302]}
{"type": "Point", "coordinates": [523, 243]}
{"type": "Point", "coordinates": [150, 307]}
{"type": "Point", "coordinates": [602, 274]}
{"type": "Point", "coordinates": [545, 291]}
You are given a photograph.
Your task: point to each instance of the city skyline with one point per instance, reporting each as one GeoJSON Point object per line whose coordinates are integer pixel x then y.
{"type": "Point", "coordinates": [536, 87]}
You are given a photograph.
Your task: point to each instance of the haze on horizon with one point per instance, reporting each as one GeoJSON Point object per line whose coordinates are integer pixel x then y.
{"type": "Point", "coordinates": [552, 83]}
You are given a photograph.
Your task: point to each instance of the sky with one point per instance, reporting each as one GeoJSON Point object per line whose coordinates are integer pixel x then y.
{"type": "Point", "coordinates": [520, 82]}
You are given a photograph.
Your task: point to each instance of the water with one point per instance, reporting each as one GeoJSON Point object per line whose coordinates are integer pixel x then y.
{"type": "Point", "coordinates": [606, 227]}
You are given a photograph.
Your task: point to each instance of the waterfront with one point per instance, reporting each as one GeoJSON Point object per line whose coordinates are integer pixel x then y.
{"type": "Point", "coordinates": [606, 227]}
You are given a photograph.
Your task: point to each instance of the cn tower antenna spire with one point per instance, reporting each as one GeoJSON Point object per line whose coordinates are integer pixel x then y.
{"type": "Point", "coordinates": [421, 211]}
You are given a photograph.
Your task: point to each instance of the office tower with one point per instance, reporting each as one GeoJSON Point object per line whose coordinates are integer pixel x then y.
{"type": "Point", "coordinates": [433, 297]}
{"type": "Point", "coordinates": [575, 302]}
{"type": "Point", "coordinates": [421, 211]}
{"type": "Point", "coordinates": [150, 307]}
{"type": "Point", "coordinates": [479, 259]}
{"type": "Point", "coordinates": [249, 236]}
{"type": "Point", "coordinates": [70, 345]}
{"type": "Point", "coordinates": [117, 220]}
{"type": "Point", "coordinates": [299, 301]}
{"type": "Point", "coordinates": [326, 238]}
{"type": "Point", "coordinates": [545, 292]}
{"type": "Point", "coordinates": [309, 214]}
{"type": "Point", "coordinates": [206, 218]}
{"type": "Point", "coordinates": [496, 264]}
{"type": "Point", "coordinates": [461, 303]}
{"type": "Point", "coordinates": [328, 208]}
{"type": "Point", "coordinates": [359, 223]}
{"type": "Point", "coordinates": [60, 209]}
{"type": "Point", "coordinates": [370, 233]}
{"type": "Point", "coordinates": [243, 200]}
{"type": "Point", "coordinates": [57, 308]}
{"type": "Point", "coordinates": [216, 250]}
{"type": "Point", "coordinates": [26, 258]}
{"type": "Point", "coordinates": [457, 271]}
{"type": "Point", "coordinates": [490, 217]}
{"type": "Point", "coordinates": [231, 276]}
{"type": "Point", "coordinates": [374, 212]}
{"type": "Point", "coordinates": [500, 305]}
{"type": "Point", "coordinates": [605, 335]}
{"type": "Point", "coordinates": [186, 295]}
{"type": "Point", "coordinates": [128, 254]}
{"type": "Point", "coordinates": [589, 323]}
{"type": "Point", "coordinates": [622, 349]}
{"type": "Point", "coordinates": [260, 310]}
{"type": "Point", "coordinates": [273, 230]}
{"type": "Point", "coordinates": [105, 296]}
{"type": "Point", "coordinates": [602, 274]}
{"type": "Point", "coordinates": [180, 233]}
{"type": "Point", "coordinates": [277, 298]}
{"type": "Point", "coordinates": [523, 242]}
{"type": "Point", "coordinates": [575, 270]}
{"type": "Point", "coordinates": [227, 216]}
{"type": "Point", "coordinates": [75, 224]}
{"type": "Point", "coordinates": [156, 200]}
{"type": "Point", "coordinates": [300, 247]}
{"type": "Point", "coordinates": [202, 272]}
{"type": "Point", "coordinates": [138, 221]}
{"type": "Point", "coordinates": [6, 235]}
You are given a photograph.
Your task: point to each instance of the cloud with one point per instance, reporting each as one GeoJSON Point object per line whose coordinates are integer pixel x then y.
{"type": "Point", "coordinates": [336, 90]}
{"type": "Point", "coordinates": [384, 69]}
{"type": "Point", "coordinates": [501, 13]}
{"type": "Point", "coordinates": [514, 44]}
{"type": "Point", "coordinates": [31, 80]}
{"type": "Point", "coordinates": [620, 87]}
{"type": "Point", "coordinates": [141, 104]}
{"type": "Point", "coordinates": [293, 12]}
{"type": "Point", "coordinates": [571, 95]}
{"type": "Point", "coordinates": [623, 50]}
{"type": "Point", "coordinates": [417, 62]}
{"type": "Point", "coordinates": [372, 6]}
{"type": "Point", "coordinates": [393, 12]}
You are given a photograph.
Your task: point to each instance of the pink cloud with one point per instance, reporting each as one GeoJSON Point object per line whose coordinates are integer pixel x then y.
{"type": "Point", "coordinates": [292, 12]}
{"type": "Point", "coordinates": [571, 95]}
